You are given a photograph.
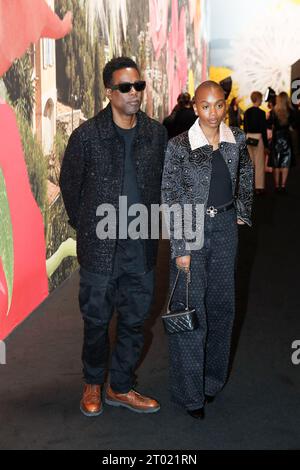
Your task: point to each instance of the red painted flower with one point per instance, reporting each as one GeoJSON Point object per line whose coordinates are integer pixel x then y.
{"type": "Point", "coordinates": [23, 22]}
{"type": "Point", "coordinates": [23, 277]}
{"type": "Point", "coordinates": [23, 253]}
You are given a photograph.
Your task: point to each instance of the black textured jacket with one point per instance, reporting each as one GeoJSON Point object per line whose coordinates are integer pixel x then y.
{"type": "Point", "coordinates": [187, 173]}
{"type": "Point", "coordinates": [92, 174]}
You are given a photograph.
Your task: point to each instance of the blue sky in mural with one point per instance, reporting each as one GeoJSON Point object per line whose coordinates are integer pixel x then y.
{"type": "Point", "coordinates": [227, 19]}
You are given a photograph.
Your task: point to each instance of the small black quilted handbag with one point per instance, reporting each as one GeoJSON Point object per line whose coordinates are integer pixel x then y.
{"type": "Point", "coordinates": [183, 320]}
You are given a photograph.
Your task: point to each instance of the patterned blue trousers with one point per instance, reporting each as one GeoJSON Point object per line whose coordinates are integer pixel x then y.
{"type": "Point", "coordinates": [199, 359]}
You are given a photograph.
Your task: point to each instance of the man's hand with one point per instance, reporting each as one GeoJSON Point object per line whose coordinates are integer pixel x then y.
{"type": "Point", "coordinates": [240, 222]}
{"type": "Point", "coordinates": [183, 262]}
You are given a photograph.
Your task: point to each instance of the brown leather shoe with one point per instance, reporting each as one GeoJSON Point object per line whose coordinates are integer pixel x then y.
{"type": "Point", "coordinates": [91, 404]}
{"type": "Point", "coordinates": [132, 400]}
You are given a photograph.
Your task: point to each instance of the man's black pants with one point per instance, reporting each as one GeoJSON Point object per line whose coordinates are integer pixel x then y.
{"type": "Point", "coordinates": [130, 292]}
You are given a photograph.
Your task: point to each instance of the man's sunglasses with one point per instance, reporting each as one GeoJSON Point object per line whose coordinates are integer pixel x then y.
{"type": "Point", "coordinates": [125, 87]}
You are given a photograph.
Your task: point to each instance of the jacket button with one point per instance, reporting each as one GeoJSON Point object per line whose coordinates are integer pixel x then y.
{"type": "Point", "coordinates": [229, 161]}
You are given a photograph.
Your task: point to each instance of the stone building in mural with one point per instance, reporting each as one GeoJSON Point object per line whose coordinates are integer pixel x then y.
{"type": "Point", "coordinates": [44, 75]}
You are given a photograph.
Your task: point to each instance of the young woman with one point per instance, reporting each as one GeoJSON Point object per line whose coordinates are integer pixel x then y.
{"type": "Point", "coordinates": [208, 165]}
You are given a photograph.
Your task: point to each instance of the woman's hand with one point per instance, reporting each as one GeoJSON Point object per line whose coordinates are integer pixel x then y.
{"type": "Point", "coordinates": [240, 222]}
{"type": "Point", "coordinates": [183, 262]}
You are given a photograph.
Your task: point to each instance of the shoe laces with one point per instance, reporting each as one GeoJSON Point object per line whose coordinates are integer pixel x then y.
{"type": "Point", "coordinates": [93, 394]}
{"type": "Point", "coordinates": [137, 394]}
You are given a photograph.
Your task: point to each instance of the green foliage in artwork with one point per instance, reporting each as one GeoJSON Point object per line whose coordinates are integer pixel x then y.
{"type": "Point", "coordinates": [6, 239]}
{"type": "Point", "coordinates": [79, 62]}
{"type": "Point", "coordinates": [58, 231]}
{"type": "Point", "coordinates": [36, 164]}
{"type": "Point", "coordinates": [19, 85]}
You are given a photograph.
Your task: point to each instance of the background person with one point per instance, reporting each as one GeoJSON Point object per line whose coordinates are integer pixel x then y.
{"type": "Point", "coordinates": [235, 114]}
{"type": "Point", "coordinates": [281, 156]}
{"type": "Point", "coordinates": [182, 117]}
{"type": "Point", "coordinates": [255, 126]}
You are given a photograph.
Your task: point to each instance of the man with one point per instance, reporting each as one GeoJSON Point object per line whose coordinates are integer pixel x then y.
{"type": "Point", "coordinates": [209, 166]}
{"type": "Point", "coordinates": [119, 152]}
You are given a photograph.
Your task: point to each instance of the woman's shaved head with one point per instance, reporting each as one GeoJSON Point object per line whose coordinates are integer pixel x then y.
{"type": "Point", "coordinates": [208, 85]}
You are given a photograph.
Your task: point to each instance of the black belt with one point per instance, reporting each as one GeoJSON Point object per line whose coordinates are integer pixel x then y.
{"type": "Point", "coordinates": [212, 210]}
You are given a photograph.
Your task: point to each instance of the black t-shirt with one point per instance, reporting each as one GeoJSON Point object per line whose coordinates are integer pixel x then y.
{"type": "Point", "coordinates": [129, 251]}
{"type": "Point", "coordinates": [220, 190]}
{"type": "Point", "coordinates": [130, 187]}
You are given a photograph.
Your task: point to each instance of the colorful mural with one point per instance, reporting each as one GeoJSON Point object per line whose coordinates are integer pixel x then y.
{"type": "Point", "coordinates": [23, 278]}
{"type": "Point", "coordinates": [49, 90]}
{"type": "Point", "coordinates": [168, 39]}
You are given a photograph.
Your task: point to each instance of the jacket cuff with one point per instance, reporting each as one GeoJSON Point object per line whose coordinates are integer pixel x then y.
{"type": "Point", "coordinates": [179, 248]}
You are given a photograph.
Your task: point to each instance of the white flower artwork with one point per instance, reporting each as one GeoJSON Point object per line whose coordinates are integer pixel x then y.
{"type": "Point", "coordinates": [263, 54]}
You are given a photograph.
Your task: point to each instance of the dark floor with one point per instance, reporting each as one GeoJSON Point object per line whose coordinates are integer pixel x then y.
{"type": "Point", "coordinates": [41, 384]}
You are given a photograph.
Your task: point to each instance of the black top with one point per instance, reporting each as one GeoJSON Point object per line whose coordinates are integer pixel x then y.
{"type": "Point", "coordinates": [130, 251]}
{"type": "Point", "coordinates": [184, 119]}
{"type": "Point", "coordinates": [179, 121]}
{"type": "Point", "coordinates": [276, 125]}
{"type": "Point", "coordinates": [220, 190]}
{"type": "Point", "coordinates": [255, 122]}
{"type": "Point", "coordinates": [235, 118]}
{"type": "Point", "coordinates": [130, 187]}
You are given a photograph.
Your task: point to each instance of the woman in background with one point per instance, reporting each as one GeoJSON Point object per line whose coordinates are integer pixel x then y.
{"type": "Point", "coordinates": [282, 118]}
{"type": "Point", "coordinates": [235, 114]}
{"type": "Point", "coordinates": [255, 126]}
{"type": "Point", "coordinates": [182, 117]}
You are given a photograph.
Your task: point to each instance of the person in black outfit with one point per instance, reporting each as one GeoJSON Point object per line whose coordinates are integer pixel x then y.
{"type": "Point", "coordinates": [281, 158]}
{"type": "Point", "coordinates": [182, 117]}
{"type": "Point", "coordinates": [209, 165]}
{"type": "Point", "coordinates": [255, 126]}
{"type": "Point", "coordinates": [234, 114]}
{"type": "Point", "coordinates": [119, 152]}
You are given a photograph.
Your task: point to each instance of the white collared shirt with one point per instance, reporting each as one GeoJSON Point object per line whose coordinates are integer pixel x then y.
{"type": "Point", "coordinates": [197, 137]}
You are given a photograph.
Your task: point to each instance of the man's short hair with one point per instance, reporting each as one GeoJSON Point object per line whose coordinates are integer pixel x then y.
{"type": "Point", "coordinates": [117, 63]}
{"type": "Point", "coordinates": [256, 96]}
